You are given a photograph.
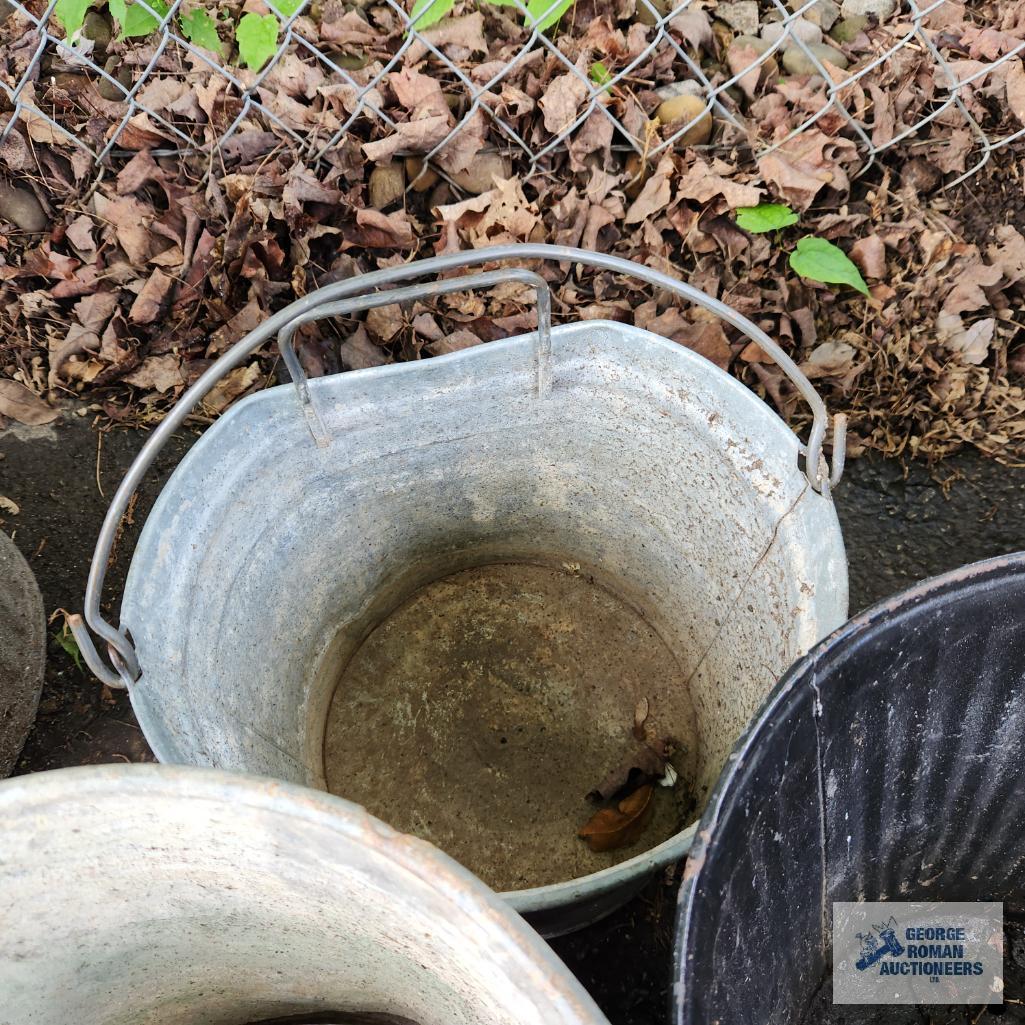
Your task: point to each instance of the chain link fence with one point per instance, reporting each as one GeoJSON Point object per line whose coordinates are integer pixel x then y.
{"type": "Point", "coordinates": [60, 90]}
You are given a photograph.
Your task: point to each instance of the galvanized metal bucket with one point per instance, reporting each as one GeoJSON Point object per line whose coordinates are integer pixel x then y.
{"type": "Point", "coordinates": [22, 652]}
{"type": "Point", "coordinates": [157, 895]}
{"type": "Point", "coordinates": [284, 536]}
{"type": "Point", "coordinates": [886, 766]}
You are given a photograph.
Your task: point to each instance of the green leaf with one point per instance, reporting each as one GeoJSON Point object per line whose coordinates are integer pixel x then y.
{"type": "Point", "coordinates": [429, 12]}
{"type": "Point", "coordinates": [600, 74]}
{"type": "Point", "coordinates": [71, 14]}
{"type": "Point", "coordinates": [536, 9]}
{"type": "Point", "coordinates": [66, 639]}
{"type": "Point", "coordinates": [134, 19]}
{"type": "Point", "coordinates": [201, 29]}
{"type": "Point", "coordinates": [257, 38]}
{"type": "Point", "coordinates": [819, 260]}
{"type": "Point", "coordinates": [765, 217]}
{"type": "Point", "coordinates": [286, 8]}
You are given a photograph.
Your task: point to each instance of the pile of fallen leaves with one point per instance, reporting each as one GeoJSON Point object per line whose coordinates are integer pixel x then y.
{"type": "Point", "coordinates": [117, 290]}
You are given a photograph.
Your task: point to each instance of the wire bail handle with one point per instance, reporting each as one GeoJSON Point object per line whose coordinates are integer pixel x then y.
{"type": "Point", "coordinates": [124, 670]}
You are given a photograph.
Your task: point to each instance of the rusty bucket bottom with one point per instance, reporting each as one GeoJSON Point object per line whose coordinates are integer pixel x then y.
{"type": "Point", "coordinates": [482, 712]}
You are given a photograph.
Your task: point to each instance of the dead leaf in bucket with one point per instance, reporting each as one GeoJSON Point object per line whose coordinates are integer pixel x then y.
{"type": "Point", "coordinates": [611, 828]}
{"type": "Point", "coordinates": [640, 765]}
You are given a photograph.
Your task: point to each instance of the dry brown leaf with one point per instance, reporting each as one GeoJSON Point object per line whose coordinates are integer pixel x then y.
{"type": "Point", "coordinates": [695, 29]}
{"type": "Point", "coordinates": [987, 43]}
{"type": "Point", "coordinates": [111, 349]}
{"type": "Point", "coordinates": [561, 101]}
{"type": "Point", "coordinates": [22, 404]}
{"type": "Point", "coordinates": [869, 254]}
{"type": "Point", "coordinates": [158, 94]}
{"type": "Point", "coordinates": [303, 186]}
{"type": "Point", "coordinates": [75, 342]}
{"type": "Point", "coordinates": [502, 215]}
{"type": "Point", "coordinates": [247, 319]}
{"type": "Point", "coordinates": [830, 359]}
{"type": "Point", "coordinates": [141, 132]}
{"type": "Point", "coordinates": [970, 343]}
{"type": "Point", "coordinates": [296, 77]}
{"type": "Point", "coordinates": [466, 32]}
{"type": "Point", "coordinates": [80, 235]}
{"type": "Point", "coordinates": [348, 30]}
{"type": "Point", "coordinates": [376, 230]}
{"type": "Point", "coordinates": [42, 261]}
{"type": "Point", "coordinates": [461, 338]}
{"type": "Point", "coordinates": [950, 154]}
{"type": "Point", "coordinates": [884, 118]}
{"type": "Point", "coordinates": [358, 352]}
{"type": "Point", "coordinates": [1015, 83]}
{"type": "Point", "coordinates": [453, 212]}
{"type": "Point", "coordinates": [41, 129]}
{"type": "Point", "coordinates": [803, 166]}
{"type": "Point", "coordinates": [611, 828]}
{"type": "Point", "coordinates": [705, 337]}
{"type": "Point", "coordinates": [417, 93]}
{"type": "Point", "coordinates": [240, 380]}
{"type": "Point", "coordinates": [1009, 253]}
{"type": "Point", "coordinates": [93, 311]}
{"type": "Point", "coordinates": [129, 220]}
{"type": "Point", "coordinates": [701, 183]}
{"type": "Point", "coordinates": [655, 195]}
{"type": "Point", "coordinates": [151, 301]}
{"type": "Point", "coordinates": [385, 321]}
{"type": "Point", "coordinates": [458, 153]}
{"type": "Point", "coordinates": [744, 60]}
{"type": "Point", "coordinates": [410, 137]}
{"type": "Point", "coordinates": [967, 294]}
{"type": "Point", "coordinates": [157, 373]}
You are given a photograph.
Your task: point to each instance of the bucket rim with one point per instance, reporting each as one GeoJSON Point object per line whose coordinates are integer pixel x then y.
{"type": "Point", "coordinates": [489, 351]}
{"type": "Point", "coordinates": [557, 895]}
{"type": "Point", "coordinates": [530, 958]}
{"type": "Point", "coordinates": [630, 337]}
{"type": "Point", "coordinates": [788, 691]}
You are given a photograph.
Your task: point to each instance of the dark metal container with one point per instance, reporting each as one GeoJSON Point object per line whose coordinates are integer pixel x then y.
{"type": "Point", "coordinates": [888, 764]}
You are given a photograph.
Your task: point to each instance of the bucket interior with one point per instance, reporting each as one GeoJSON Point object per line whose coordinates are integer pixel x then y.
{"type": "Point", "coordinates": [887, 769]}
{"type": "Point", "coordinates": [467, 562]}
{"type": "Point", "coordinates": [156, 895]}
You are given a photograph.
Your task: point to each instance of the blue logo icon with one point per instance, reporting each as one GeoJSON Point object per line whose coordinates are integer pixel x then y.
{"type": "Point", "coordinates": [876, 944]}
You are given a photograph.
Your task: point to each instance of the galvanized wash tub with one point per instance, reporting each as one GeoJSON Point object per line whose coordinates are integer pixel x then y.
{"type": "Point", "coordinates": [285, 537]}
{"type": "Point", "coordinates": [22, 652]}
{"type": "Point", "coordinates": [159, 895]}
{"type": "Point", "coordinates": [887, 765]}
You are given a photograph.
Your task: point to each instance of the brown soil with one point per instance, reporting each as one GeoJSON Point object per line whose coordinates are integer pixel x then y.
{"type": "Point", "coordinates": [55, 474]}
{"type": "Point", "coordinates": [994, 196]}
{"type": "Point", "coordinates": [482, 713]}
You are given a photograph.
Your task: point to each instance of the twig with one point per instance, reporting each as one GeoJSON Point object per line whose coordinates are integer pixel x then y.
{"type": "Point", "coordinates": [99, 450]}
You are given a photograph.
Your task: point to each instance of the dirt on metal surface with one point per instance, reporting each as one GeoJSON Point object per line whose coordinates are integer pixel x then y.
{"type": "Point", "coordinates": [482, 713]}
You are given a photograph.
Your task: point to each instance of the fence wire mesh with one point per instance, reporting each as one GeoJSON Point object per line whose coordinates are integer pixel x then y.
{"type": "Point", "coordinates": [161, 89]}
